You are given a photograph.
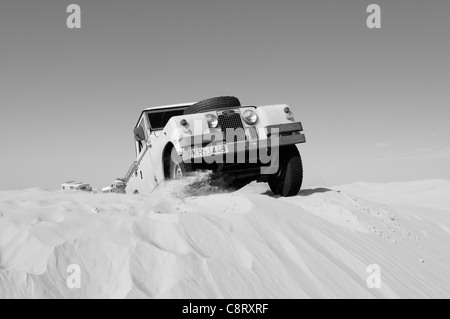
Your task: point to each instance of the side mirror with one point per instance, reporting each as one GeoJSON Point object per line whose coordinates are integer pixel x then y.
{"type": "Point", "coordinates": [139, 134]}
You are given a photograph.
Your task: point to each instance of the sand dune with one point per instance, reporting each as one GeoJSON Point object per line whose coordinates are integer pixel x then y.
{"type": "Point", "coordinates": [246, 244]}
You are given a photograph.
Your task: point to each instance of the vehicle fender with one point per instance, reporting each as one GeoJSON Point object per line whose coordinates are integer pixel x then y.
{"type": "Point", "coordinates": [272, 114]}
{"type": "Point", "coordinates": [197, 127]}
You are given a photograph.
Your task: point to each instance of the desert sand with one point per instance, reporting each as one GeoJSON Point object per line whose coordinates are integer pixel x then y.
{"type": "Point", "coordinates": [246, 244]}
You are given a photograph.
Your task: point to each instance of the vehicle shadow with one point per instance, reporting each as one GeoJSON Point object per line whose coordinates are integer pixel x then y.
{"type": "Point", "coordinates": [303, 192]}
{"type": "Point", "coordinates": [309, 192]}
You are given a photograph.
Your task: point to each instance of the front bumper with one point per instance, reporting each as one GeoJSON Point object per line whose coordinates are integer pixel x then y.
{"type": "Point", "coordinates": [288, 134]}
{"type": "Point", "coordinates": [274, 136]}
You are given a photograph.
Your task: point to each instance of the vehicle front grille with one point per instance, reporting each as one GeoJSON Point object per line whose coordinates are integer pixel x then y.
{"type": "Point", "coordinates": [232, 127]}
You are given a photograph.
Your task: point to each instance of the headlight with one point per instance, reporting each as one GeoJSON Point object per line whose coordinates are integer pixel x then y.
{"type": "Point", "coordinates": [213, 121]}
{"type": "Point", "coordinates": [250, 117]}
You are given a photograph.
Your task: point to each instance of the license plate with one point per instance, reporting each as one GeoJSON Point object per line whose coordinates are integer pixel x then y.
{"type": "Point", "coordinates": [209, 151]}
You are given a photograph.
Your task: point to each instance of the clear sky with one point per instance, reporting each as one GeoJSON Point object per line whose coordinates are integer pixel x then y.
{"type": "Point", "coordinates": [374, 103]}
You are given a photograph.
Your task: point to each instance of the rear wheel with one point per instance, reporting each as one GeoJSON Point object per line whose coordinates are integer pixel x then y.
{"type": "Point", "coordinates": [288, 181]}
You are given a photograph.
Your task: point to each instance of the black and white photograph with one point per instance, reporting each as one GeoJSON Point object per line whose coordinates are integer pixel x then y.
{"type": "Point", "coordinates": [227, 157]}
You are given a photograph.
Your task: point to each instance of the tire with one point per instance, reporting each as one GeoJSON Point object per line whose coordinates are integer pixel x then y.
{"type": "Point", "coordinates": [288, 181]}
{"type": "Point", "coordinates": [177, 168]}
{"type": "Point", "coordinates": [216, 103]}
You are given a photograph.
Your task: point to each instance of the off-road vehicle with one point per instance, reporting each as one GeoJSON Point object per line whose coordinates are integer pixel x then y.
{"type": "Point", "coordinates": [238, 144]}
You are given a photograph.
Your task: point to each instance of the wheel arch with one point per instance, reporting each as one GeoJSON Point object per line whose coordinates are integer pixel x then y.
{"type": "Point", "coordinates": [167, 152]}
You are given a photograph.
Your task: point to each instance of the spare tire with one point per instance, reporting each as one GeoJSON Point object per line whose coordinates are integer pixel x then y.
{"type": "Point", "coordinates": [216, 103]}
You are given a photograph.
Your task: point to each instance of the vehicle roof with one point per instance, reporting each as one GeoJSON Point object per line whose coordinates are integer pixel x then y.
{"type": "Point", "coordinates": [163, 107]}
{"type": "Point", "coordinates": [169, 106]}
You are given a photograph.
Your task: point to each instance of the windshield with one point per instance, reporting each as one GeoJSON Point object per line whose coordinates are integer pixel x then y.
{"type": "Point", "coordinates": [159, 119]}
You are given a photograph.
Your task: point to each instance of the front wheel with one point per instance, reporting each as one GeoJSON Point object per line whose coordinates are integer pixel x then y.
{"type": "Point", "coordinates": [288, 181]}
{"type": "Point", "coordinates": [177, 168]}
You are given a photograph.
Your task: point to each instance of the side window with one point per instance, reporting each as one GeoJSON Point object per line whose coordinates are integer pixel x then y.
{"type": "Point", "coordinates": [159, 119]}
